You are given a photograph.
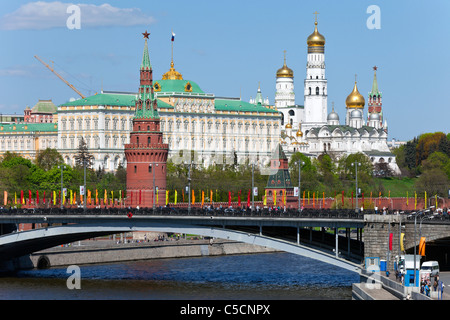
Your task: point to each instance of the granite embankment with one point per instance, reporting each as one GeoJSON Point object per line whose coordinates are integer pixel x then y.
{"type": "Point", "coordinates": [108, 251]}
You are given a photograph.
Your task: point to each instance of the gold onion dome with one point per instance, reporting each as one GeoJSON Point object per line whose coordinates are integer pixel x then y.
{"type": "Point", "coordinates": [316, 39]}
{"type": "Point", "coordinates": [285, 71]}
{"type": "Point", "coordinates": [172, 74]}
{"type": "Point", "coordinates": [288, 126]}
{"type": "Point", "coordinates": [355, 99]}
{"type": "Point", "coordinates": [299, 133]}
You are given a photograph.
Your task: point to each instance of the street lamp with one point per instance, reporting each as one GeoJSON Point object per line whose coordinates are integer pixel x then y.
{"type": "Point", "coordinates": [356, 165]}
{"type": "Point", "coordinates": [415, 240]}
{"type": "Point", "coordinates": [62, 167]}
{"type": "Point", "coordinates": [253, 187]}
{"type": "Point", "coordinates": [300, 164]}
{"type": "Point", "coordinates": [189, 186]}
{"type": "Point", "coordinates": [153, 168]}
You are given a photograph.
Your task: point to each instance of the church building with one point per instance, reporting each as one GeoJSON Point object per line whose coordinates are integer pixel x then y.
{"type": "Point", "coordinates": [313, 131]}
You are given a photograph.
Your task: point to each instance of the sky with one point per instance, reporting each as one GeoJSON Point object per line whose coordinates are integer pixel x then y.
{"type": "Point", "coordinates": [228, 47]}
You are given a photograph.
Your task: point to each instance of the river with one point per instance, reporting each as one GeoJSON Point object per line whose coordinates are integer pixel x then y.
{"type": "Point", "coordinates": [271, 276]}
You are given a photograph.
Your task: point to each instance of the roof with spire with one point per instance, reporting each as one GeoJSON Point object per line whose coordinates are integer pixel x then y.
{"type": "Point", "coordinates": [375, 91]}
{"type": "Point", "coordinates": [146, 105]}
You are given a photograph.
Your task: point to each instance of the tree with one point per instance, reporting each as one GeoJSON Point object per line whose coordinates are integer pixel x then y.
{"type": "Point", "coordinates": [433, 181]}
{"type": "Point", "coordinates": [83, 156]}
{"type": "Point", "coordinates": [48, 158]}
{"type": "Point", "coordinates": [429, 143]}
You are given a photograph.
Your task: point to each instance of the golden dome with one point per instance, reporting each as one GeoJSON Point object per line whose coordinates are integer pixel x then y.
{"type": "Point", "coordinates": [316, 39]}
{"type": "Point", "coordinates": [172, 74]}
{"type": "Point", "coordinates": [285, 72]}
{"type": "Point", "coordinates": [288, 126]}
{"type": "Point", "coordinates": [299, 133]}
{"type": "Point", "coordinates": [355, 99]}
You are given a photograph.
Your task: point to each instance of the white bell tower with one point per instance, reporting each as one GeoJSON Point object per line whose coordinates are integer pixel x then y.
{"type": "Point", "coordinates": [316, 93]}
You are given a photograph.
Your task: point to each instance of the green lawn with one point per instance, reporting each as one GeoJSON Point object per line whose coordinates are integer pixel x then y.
{"type": "Point", "coordinates": [398, 186]}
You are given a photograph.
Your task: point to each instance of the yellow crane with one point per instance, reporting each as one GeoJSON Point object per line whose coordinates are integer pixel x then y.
{"type": "Point", "coordinates": [59, 76]}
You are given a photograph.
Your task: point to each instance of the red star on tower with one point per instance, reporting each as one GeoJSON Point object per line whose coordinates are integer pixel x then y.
{"type": "Point", "coordinates": [146, 34]}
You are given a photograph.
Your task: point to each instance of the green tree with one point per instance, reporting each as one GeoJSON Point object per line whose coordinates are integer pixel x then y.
{"type": "Point", "coordinates": [83, 155]}
{"type": "Point", "coordinates": [48, 158]}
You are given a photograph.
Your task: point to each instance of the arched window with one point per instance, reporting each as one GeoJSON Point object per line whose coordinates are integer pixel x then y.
{"type": "Point", "coordinates": [309, 90]}
{"type": "Point", "coordinates": [149, 140]}
{"type": "Point", "coordinates": [317, 90]}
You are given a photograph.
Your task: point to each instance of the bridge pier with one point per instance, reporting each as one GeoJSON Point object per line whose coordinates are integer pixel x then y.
{"type": "Point", "coordinates": [377, 231]}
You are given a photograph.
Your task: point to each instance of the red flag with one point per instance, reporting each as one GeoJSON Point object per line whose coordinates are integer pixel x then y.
{"type": "Point", "coordinates": [248, 198]}
{"type": "Point", "coordinates": [37, 196]}
{"type": "Point", "coordinates": [43, 199]}
{"type": "Point", "coordinates": [140, 197]}
{"type": "Point", "coordinates": [239, 198]}
{"type": "Point", "coordinates": [29, 196]}
{"type": "Point", "coordinates": [229, 198]}
{"type": "Point", "coordinates": [390, 241]}
{"type": "Point", "coordinates": [342, 197]}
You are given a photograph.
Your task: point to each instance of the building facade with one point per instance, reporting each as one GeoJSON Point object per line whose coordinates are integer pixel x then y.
{"type": "Point", "coordinates": [215, 130]}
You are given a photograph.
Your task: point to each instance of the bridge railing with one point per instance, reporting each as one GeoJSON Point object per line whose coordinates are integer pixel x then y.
{"type": "Point", "coordinates": [219, 212]}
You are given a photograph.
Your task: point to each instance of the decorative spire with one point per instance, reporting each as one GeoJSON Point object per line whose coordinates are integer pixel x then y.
{"type": "Point", "coordinates": [375, 83]}
{"type": "Point", "coordinates": [146, 105]}
{"type": "Point", "coordinates": [145, 57]}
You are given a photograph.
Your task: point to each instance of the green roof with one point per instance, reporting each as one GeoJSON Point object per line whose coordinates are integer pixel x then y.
{"type": "Point", "coordinates": [44, 106]}
{"type": "Point", "coordinates": [176, 86]}
{"type": "Point", "coordinates": [29, 127]}
{"type": "Point", "coordinates": [239, 105]}
{"type": "Point", "coordinates": [104, 99]}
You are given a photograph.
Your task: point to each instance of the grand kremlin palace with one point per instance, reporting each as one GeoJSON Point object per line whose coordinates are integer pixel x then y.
{"type": "Point", "coordinates": [218, 130]}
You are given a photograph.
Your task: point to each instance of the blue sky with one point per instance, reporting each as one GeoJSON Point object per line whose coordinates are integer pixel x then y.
{"type": "Point", "coordinates": [227, 47]}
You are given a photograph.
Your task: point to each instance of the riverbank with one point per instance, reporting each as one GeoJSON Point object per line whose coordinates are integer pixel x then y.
{"type": "Point", "coordinates": [109, 251]}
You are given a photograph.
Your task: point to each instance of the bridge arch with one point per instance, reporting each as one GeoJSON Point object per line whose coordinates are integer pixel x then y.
{"type": "Point", "coordinates": [26, 242]}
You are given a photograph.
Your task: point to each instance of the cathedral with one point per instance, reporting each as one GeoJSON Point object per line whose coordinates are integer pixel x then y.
{"type": "Point", "coordinates": [311, 130]}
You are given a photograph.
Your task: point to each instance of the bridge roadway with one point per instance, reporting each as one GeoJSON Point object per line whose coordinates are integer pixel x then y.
{"type": "Point", "coordinates": [68, 225]}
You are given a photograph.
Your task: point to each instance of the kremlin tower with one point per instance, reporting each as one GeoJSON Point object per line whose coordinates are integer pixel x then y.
{"type": "Point", "coordinates": [146, 154]}
{"type": "Point", "coordinates": [375, 114]}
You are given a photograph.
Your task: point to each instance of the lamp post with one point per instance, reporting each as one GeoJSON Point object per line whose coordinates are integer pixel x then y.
{"type": "Point", "coordinates": [153, 168]}
{"type": "Point", "coordinates": [62, 167]}
{"type": "Point", "coordinates": [415, 240]}
{"type": "Point", "coordinates": [253, 187]}
{"type": "Point", "coordinates": [189, 186]}
{"type": "Point", "coordinates": [85, 192]}
{"type": "Point", "coordinates": [356, 165]}
{"type": "Point", "coordinates": [300, 164]}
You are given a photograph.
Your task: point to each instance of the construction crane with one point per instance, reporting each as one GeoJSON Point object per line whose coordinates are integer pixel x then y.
{"type": "Point", "coordinates": [59, 76]}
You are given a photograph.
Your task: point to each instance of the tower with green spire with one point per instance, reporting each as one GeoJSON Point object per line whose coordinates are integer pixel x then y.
{"type": "Point", "coordinates": [375, 112]}
{"type": "Point", "coordinates": [146, 104]}
{"type": "Point", "coordinates": [374, 101]}
{"type": "Point", "coordinates": [146, 154]}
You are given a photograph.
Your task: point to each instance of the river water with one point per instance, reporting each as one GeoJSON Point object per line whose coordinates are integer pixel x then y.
{"type": "Point", "coordinates": [271, 276]}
